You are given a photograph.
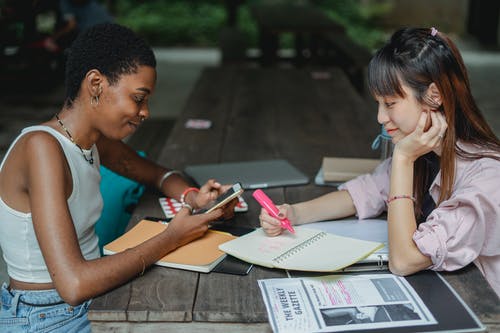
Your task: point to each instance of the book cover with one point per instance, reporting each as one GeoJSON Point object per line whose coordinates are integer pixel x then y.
{"type": "Point", "coordinates": [306, 250]}
{"type": "Point", "coordinates": [343, 169]}
{"type": "Point", "coordinates": [200, 255]}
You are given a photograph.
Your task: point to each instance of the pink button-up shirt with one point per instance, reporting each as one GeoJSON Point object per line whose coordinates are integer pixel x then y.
{"type": "Point", "coordinates": [462, 229]}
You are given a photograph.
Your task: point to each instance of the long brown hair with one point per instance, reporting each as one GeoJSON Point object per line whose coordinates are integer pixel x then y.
{"type": "Point", "coordinates": [417, 57]}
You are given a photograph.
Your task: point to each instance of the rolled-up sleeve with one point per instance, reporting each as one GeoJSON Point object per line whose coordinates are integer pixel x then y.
{"type": "Point", "coordinates": [370, 191]}
{"type": "Point", "coordinates": [465, 226]}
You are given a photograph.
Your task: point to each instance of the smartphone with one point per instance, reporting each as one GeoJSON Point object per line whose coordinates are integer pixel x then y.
{"type": "Point", "coordinates": [223, 199]}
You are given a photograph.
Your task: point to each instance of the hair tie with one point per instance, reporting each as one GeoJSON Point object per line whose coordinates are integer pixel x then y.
{"type": "Point", "coordinates": [434, 31]}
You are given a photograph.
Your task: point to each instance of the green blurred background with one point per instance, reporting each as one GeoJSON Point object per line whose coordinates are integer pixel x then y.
{"type": "Point", "coordinates": [197, 23]}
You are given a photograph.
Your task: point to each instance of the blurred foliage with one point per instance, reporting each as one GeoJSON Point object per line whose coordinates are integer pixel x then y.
{"type": "Point", "coordinates": [359, 17]}
{"type": "Point", "coordinates": [173, 22]}
{"type": "Point", "coordinates": [198, 22]}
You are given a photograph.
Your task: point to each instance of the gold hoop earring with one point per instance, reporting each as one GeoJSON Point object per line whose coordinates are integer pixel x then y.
{"type": "Point", "coordinates": [94, 100]}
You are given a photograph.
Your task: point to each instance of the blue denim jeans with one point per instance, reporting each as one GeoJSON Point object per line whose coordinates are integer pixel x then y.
{"type": "Point", "coordinates": [40, 311]}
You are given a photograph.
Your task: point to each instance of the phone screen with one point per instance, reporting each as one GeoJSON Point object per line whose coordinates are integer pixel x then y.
{"type": "Point", "coordinates": [223, 199]}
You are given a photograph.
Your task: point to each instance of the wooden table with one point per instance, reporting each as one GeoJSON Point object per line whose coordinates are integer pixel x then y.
{"type": "Point", "coordinates": [256, 114]}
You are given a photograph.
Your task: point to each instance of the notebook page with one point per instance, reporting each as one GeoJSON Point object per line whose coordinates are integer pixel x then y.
{"type": "Point", "coordinates": [258, 248]}
{"type": "Point", "coordinates": [326, 252]}
{"type": "Point", "coordinates": [374, 230]}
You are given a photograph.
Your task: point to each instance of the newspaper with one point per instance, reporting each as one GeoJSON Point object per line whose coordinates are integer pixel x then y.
{"type": "Point", "coordinates": [342, 303]}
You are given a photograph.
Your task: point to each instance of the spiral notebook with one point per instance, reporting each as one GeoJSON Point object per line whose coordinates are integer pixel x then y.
{"type": "Point", "coordinates": [374, 230]}
{"type": "Point", "coordinates": [306, 250]}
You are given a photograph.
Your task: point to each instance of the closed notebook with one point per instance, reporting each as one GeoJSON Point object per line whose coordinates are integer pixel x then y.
{"type": "Point", "coordinates": [306, 250]}
{"type": "Point", "coordinates": [342, 169]}
{"type": "Point", "coordinates": [200, 255]}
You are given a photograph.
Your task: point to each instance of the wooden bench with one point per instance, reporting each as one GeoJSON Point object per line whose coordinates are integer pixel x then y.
{"type": "Point", "coordinates": [307, 24]}
{"type": "Point", "coordinates": [318, 39]}
{"type": "Point", "coordinates": [350, 56]}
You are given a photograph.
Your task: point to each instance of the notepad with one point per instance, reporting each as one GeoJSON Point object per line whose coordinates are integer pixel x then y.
{"type": "Point", "coordinates": [343, 169]}
{"type": "Point", "coordinates": [200, 255]}
{"type": "Point", "coordinates": [306, 250]}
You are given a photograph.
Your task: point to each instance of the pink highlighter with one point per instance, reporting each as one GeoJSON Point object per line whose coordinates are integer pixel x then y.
{"type": "Point", "coordinates": [271, 209]}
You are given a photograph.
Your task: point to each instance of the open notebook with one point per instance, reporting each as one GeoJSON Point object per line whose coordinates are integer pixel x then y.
{"type": "Point", "coordinates": [201, 255]}
{"type": "Point", "coordinates": [374, 230]}
{"type": "Point", "coordinates": [306, 250]}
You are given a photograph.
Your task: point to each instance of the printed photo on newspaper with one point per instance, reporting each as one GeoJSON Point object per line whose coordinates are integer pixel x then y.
{"type": "Point", "coordinates": [342, 303]}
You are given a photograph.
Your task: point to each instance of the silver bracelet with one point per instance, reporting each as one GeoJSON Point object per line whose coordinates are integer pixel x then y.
{"type": "Point", "coordinates": [188, 206]}
{"type": "Point", "coordinates": [166, 175]}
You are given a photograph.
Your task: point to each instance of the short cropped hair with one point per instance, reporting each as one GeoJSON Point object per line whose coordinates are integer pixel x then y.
{"type": "Point", "coordinates": [112, 49]}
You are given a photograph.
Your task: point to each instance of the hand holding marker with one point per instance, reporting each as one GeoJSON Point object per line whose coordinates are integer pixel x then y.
{"type": "Point", "coordinates": [271, 209]}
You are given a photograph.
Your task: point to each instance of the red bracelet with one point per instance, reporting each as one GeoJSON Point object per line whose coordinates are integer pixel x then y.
{"type": "Point", "coordinates": [186, 191]}
{"type": "Point", "coordinates": [404, 196]}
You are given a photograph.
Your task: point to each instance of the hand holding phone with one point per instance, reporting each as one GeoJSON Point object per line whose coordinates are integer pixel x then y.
{"type": "Point", "coordinates": [232, 193]}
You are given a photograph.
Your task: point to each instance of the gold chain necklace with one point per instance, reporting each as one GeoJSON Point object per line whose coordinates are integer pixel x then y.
{"type": "Point", "coordinates": [91, 159]}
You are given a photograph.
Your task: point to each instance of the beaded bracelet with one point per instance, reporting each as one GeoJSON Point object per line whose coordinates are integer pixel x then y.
{"type": "Point", "coordinates": [166, 175]}
{"type": "Point", "coordinates": [186, 191]}
{"type": "Point", "coordinates": [404, 196]}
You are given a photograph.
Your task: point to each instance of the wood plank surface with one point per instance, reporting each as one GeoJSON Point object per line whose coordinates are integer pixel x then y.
{"type": "Point", "coordinates": [471, 285]}
{"type": "Point", "coordinates": [111, 306]}
{"type": "Point", "coordinates": [163, 295]}
{"type": "Point", "coordinates": [256, 114]}
{"type": "Point", "coordinates": [232, 298]}
{"type": "Point", "coordinates": [212, 99]}
{"type": "Point", "coordinates": [169, 327]}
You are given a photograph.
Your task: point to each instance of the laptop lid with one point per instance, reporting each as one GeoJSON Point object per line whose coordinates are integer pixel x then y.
{"type": "Point", "coordinates": [251, 174]}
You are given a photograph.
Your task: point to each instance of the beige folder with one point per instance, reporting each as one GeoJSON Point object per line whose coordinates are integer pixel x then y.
{"type": "Point", "coordinates": [200, 255]}
{"type": "Point", "coordinates": [342, 169]}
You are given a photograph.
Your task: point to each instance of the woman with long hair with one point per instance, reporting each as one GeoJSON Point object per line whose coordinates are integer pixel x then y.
{"type": "Point", "coordinates": [440, 188]}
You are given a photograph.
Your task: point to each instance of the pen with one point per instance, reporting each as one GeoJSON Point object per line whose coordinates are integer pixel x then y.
{"type": "Point", "coordinates": [269, 206]}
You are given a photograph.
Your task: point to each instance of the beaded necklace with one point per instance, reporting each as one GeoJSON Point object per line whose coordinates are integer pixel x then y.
{"type": "Point", "coordinates": [91, 159]}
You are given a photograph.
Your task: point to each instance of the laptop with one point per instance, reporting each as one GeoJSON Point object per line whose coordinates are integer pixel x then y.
{"type": "Point", "coordinates": [251, 174]}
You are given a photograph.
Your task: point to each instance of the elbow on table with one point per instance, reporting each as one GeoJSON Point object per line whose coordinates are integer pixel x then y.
{"type": "Point", "coordinates": [407, 260]}
{"type": "Point", "coordinates": [401, 270]}
{"type": "Point", "coordinates": [402, 266]}
{"type": "Point", "coordinates": [72, 290]}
